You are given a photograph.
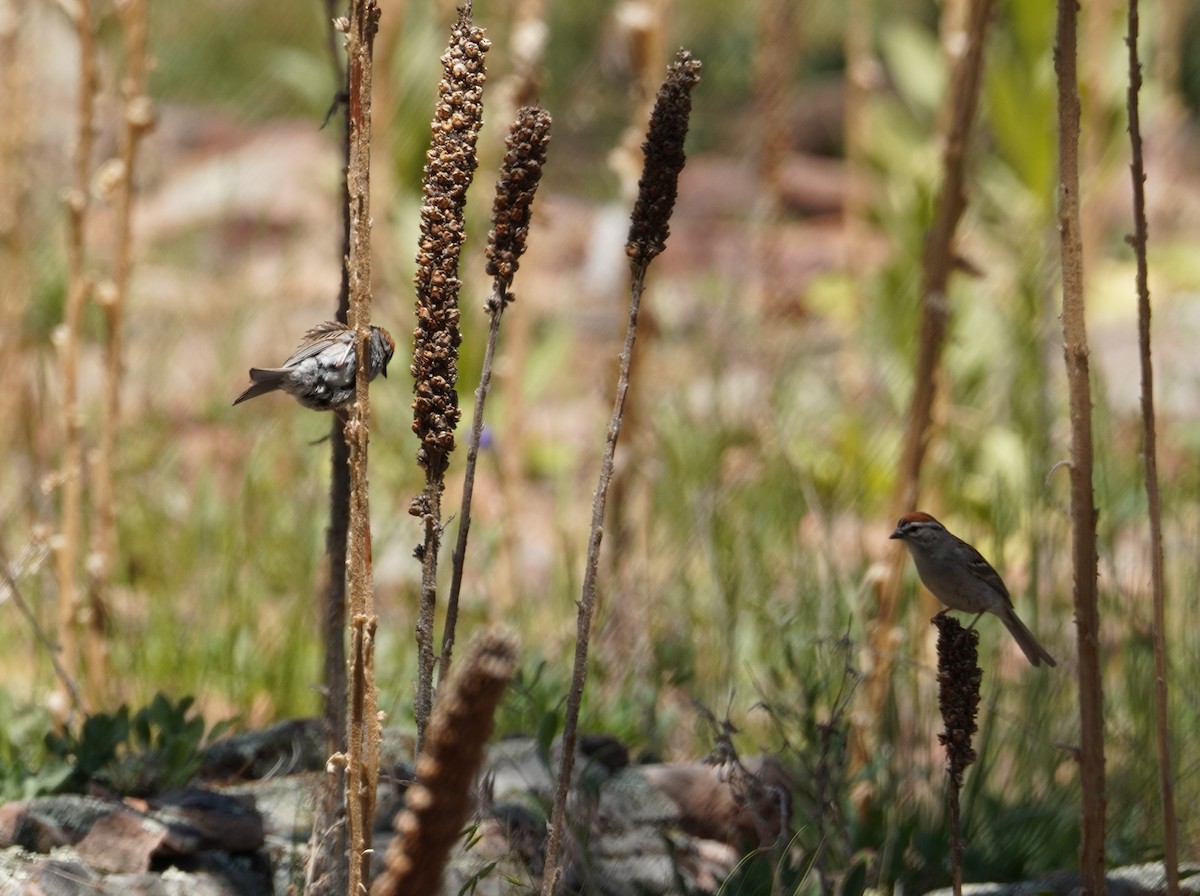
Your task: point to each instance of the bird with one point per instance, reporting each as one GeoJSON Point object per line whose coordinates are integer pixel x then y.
{"type": "Point", "coordinates": [962, 579]}
{"type": "Point", "coordinates": [320, 374]}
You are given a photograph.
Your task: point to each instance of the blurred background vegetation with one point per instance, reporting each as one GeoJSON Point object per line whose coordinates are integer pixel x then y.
{"type": "Point", "coordinates": [749, 527]}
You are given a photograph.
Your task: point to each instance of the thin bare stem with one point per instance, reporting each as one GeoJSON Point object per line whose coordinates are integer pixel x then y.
{"type": "Point", "coordinates": [464, 515]}
{"type": "Point", "coordinates": [1083, 508]}
{"type": "Point", "coordinates": [362, 770]}
{"type": "Point", "coordinates": [520, 174]}
{"type": "Point", "coordinates": [649, 227]}
{"type": "Point", "coordinates": [79, 287]}
{"type": "Point", "coordinates": [1138, 240]}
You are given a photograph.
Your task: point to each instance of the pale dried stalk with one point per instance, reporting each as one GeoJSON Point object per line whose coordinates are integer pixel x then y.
{"type": "Point", "coordinates": [362, 760]}
{"type": "Point", "coordinates": [860, 79]}
{"type": "Point", "coordinates": [137, 119]}
{"type": "Point", "coordinates": [79, 287]}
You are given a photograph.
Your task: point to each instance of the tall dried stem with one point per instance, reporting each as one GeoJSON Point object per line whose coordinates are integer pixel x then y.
{"type": "Point", "coordinates": [648, 230]}
{"type": "Point", "coordinates": [362, 769]}
{"type": "Point", "coordinates": [137, 119]}
{"type": "Point", "coordinates": [1083, 508]}
{"type": "Point", "coordinates": [1138, 240]}
{"type": "Point", "coordinates": [450, 165]}
{"type": "Point", "coordinates": [520, 173]}
{"type": "Point", "coordinates": [79, 287]}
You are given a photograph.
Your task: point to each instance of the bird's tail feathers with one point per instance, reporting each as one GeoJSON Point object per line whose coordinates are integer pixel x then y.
{"type": "Point", "coordinates": [263, 380]}
{"type": "Point", "coordinates": [1033, 650]}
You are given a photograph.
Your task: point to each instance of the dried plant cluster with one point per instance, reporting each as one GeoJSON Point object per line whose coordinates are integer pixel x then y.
{"type": "Point", "coordinates": [959, 677]}
{"type": "Point", "coordinates": [450, 165]}
{"type": "Point", "coordinates": [657, 188]}
{"type": "Point", "coordinates": [438, 803]}
{"type": "Point", "coordinates": [512, 210]}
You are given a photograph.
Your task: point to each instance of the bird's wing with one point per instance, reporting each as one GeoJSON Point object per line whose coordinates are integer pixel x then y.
{"type": "Point", "coordinates": [982, 569]}
{"type": "Point", "coordinates": [316, 340]}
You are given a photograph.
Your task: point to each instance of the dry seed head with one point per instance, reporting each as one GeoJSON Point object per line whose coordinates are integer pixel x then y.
{"type": "Point", "coordinates": [663, 149]}
{"type": "Point", "coordinates": [513, 208]}
{"type": "Point", "coordinates": [959, 677]}
{"type": "Point", "coordinates": [450, 165]}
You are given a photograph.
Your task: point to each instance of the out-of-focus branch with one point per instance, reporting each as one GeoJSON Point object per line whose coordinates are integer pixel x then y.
{"type": "Point", "coordinates": [439, 802]}
{"type": "Point", "coordinates": [937, 263]}
{"type": "Point", "coordinates": [1083, 508]}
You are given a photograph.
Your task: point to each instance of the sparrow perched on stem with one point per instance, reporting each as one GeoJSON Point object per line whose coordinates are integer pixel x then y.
{"type": "Point", "coordinates": [960, 578]}
{"type": "Point", "coordinates": [320, 373]}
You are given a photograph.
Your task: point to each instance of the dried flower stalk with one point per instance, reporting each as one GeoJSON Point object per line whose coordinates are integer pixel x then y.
{"type": "Point", "coordinates": [648, 230]}
{"type": "Point", "coordinates": [450, 165]}
{"type": "Point", "coordinates": [137, 120]}
{"type": "Point", "coordinates": [959, 677]}
{"type": "Point", "coordinates": [512, 210]}
{"type": "Point", "coordinates": [79, 287]}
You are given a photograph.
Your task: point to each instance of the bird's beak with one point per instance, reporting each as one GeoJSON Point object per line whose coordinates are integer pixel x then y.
{"type": "Point", "coordinates": [896, 534]}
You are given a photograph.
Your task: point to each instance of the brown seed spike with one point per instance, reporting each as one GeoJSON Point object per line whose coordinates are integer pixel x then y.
{"type": "Point", "coordinates": [663, 149]}
{"type": "Point", "coordinates": [439, 801]}
{"type": "Point", "coordinates": [512, 210]}
{"type": "Point", "coordinates": [959, 677]}
{"type": "Point", "coordinates": [450, 166]}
